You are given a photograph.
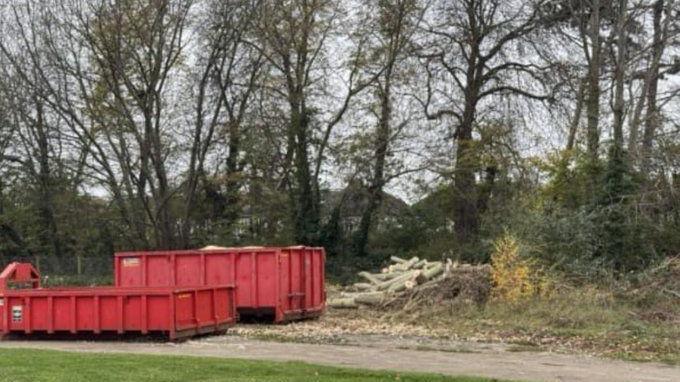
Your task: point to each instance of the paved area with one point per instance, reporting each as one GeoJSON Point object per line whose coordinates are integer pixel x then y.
{"type": "Point", "coordinates": [473, 360]}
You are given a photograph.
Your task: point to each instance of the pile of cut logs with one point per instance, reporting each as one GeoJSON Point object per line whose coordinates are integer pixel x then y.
{"type": "Point", "coordinates": [402, 275]}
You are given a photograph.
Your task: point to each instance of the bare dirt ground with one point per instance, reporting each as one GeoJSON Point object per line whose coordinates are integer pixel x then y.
{"type": "Point", "coordinates": [400, 353]}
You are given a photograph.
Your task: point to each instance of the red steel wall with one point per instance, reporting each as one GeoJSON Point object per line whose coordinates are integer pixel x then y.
{"type": "Point", "coordinates": [176, 311]}
{"type": "Point", "coordinates": [288, 281]}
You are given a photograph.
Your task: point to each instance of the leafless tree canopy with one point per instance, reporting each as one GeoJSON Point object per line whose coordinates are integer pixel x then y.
{"type": "Point", "coordinates": [176, 123]}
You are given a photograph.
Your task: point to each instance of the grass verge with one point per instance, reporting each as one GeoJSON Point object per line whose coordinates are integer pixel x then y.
{"type": "Point", "coordinates": [586, 320]}
{"type": "Point", "coordinates": [48, 366]}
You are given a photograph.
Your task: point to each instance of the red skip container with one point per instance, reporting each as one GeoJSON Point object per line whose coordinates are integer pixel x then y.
{"type": "Point", "coordinates": [282, 284]}
{"type": "Point", "coordinates": [176, 311]}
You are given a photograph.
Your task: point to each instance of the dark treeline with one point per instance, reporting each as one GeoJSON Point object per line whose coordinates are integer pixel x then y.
{"type": "Point", "coordinates": [181, 123]}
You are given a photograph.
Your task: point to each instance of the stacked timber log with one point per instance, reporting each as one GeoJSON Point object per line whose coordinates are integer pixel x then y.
{"type": "Point", "coordinates": [401, 276]}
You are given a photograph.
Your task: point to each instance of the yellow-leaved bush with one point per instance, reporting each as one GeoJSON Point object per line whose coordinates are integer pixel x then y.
{"type": "Point", "coordinates": [514, 277]}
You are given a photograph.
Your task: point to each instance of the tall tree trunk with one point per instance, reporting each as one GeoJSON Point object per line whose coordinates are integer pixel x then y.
{"type": "Point", "coordinates": [225, 207]}
{"type": "Point", "coordinates": [576, 119]}
{"type": "Point", "coordinates": [375, 188]}
{"type": "Point", "coordinates": [48, 234]}
{"type": "Point", "coordinates": [619, 75]}
{"type": "Point", "coordinates": [652, 116]}
{"type": "Point", "coordinates": [233, 182]}
{"type": "Point", "coordinates": [634, 122]}
{"type": "Point", "coordinates": [593, 100]}
{"type": "Point", "coordinates": [615, 186]}
{"type": "Point", "coordinates": [466, 214]}
{"type": "Point", "coordinates": [164, 220]}
{"type": "Point", "coordinates": [649, 89]}
{"type": "Point", "coordinates": [304, 201]}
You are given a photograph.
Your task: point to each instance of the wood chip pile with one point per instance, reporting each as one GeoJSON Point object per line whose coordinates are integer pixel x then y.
{"type": "Point", "coordinates": [405, 278]}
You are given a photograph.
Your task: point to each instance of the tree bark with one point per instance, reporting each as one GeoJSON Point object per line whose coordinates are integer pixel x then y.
{"type": "Point", "coordinates": [233, 173]}
{"type": "Point", "coordinates": [375, 189]}
{"type": "Point", "coordinates": [466, 214]}
{"type": "Point", "coordinates": [619, 75]}
{"type": "Point", "coordinates": [594, 89]}
{"type": "Point", "coordinates": [305, 201]}
{"type": "Point", "coordinates": [48, 232]}
{"type": "Point", "coordinates": [652, 115]}
{"type": "Point", "coordinates": [394, 17]}
{"type": "Point", "coordinates": [576, 118]}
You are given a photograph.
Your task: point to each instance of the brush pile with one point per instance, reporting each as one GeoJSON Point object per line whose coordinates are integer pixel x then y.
{"type": "Point", "coordinates": [404, 279]}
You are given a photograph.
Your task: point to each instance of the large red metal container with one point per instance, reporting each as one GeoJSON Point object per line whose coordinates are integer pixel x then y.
{"type": "Point", "coordinates": [176, 311]}
{"type": "Point", "coordinates": [283, 284]}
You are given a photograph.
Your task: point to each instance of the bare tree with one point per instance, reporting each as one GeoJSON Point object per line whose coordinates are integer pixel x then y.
{"type": "Point", "coordinates": [106, 79]}
{"type": "Point", "coordinates": [469, 61]}
{"type": "Point", "coordinates": [293, 36]}
{"type": "Point", "coordinates": [589, 27]}
{"type": "Point", "coordinates": [660, 39]}
{"type": "Point", "coordinates": [395, 23]}
{"type": "Point", "coordinates": [134, 49]}
{"type": "Point", "coordinates": [227, 83]}
{"type": "Point", "coordinates": [37, 148]}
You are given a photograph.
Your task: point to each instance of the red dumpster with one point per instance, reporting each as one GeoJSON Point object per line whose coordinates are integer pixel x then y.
{"type": "Point", "coordinates": [176, 311]}
{"type": "Point", "coordinates": [283, 284]}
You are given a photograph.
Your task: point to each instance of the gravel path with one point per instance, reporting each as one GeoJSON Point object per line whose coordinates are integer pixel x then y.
{"type": "Point", "coordinates": [469, 359]}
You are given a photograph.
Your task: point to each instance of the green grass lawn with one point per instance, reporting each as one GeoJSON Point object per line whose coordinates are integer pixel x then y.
{"type": "Point", "coordinates": [39, 365]}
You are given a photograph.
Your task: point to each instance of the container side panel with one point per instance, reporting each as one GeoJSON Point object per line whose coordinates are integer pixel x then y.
{"type": "Point", "coordinates": [118, 309]}
{"type": "Point", "coordinates": [244, 269]}
{"type": "Point", "coordinates": [224, 303]}
{"type": "Point", "coordinates": [184, 308]}
{"type": "Point", "coordinates": [266, 279]}
{"type": "Point", "coordinates": [218, 269]}
{"type": "Point", "coordinates": [296, 280]}
{"type": "Point", "coordinates": [318, 278]}
{"type": "Point", "coordinates": [15, 312]}
{"type": "Point", "coordinates": [130, 268]}
{"type": "Point", "coordinates": [158, 312]}
{"type": "Point", "coordinates": [132, 313]}
{"type": "Point", "coordinates": [159, 270]}
{"type": "Point", "coordinates": [85, 314]}
{"type": "Point", "coordinates": [289, 279]}
{"type": "Point", "coordinates": [284, 278]}
{"type": "Point", "coordinates": [62, 313]}
{"type": "Point", "coordinates": [188, 270]}
{"type": "Point", "coordinates": [204, 306]}
{"type": "Point", "coordinates": [310, 299]}
{"type": "Point", "coordinates": [3, 314]}
{"type": "Point", "coordinates": [108, 313]}
{"type": "Point", "coordinates": [314, 279]}
{"type": "Point", "coordinates": [309, 278]}
{"type": "Point", "coordinates": [323, 277]}
{"type": "Point", "coordinates": [304, 276]}
{"type": "Point", "coordinates": [39, 313]}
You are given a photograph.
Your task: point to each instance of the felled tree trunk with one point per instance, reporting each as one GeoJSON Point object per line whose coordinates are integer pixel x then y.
{"type": "Point", "coordinates": [429, 273]}
{"type": "Point", "coordinates": [343, 303]}
{"type": "Point", "coordinates": [373, 298]}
